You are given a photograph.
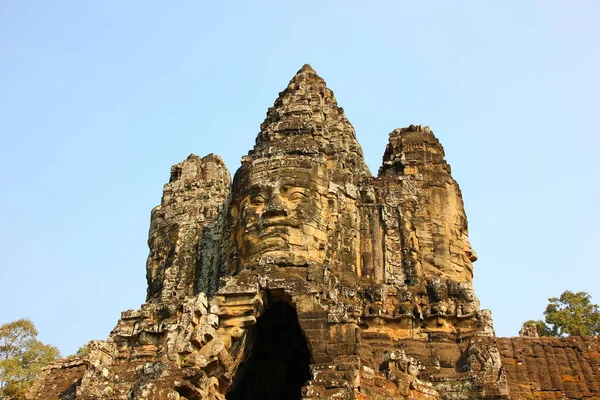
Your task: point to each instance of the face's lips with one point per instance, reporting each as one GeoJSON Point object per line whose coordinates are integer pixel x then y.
{"type": "Point", "coordinates": [271, 239]}
{"type": "Point", "coordinates": [278, 222]}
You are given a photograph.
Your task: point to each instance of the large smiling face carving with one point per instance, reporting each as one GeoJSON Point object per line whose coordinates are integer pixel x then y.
{"type": "Point", "coordinates": [282, 213]}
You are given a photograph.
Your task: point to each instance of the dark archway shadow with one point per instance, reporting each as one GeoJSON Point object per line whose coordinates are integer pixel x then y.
{"type": "Point", "coordinates": [277, 358]}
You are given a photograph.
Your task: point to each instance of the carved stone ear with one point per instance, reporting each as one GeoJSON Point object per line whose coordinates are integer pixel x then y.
{"type": "Point", "coordinates": [332, 203]}
{"type": "Point", "coordinates": [234, 212]}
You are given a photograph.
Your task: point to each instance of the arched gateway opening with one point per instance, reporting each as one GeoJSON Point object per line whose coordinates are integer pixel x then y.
{"type": "Point", "coordinates": [277, 358]}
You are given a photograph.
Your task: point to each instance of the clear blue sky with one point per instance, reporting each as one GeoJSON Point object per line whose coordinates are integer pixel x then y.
{"type": "Point", "coordinates": [99, 99]}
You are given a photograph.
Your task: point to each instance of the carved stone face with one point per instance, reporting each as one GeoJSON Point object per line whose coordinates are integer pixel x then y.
{"type": "Point", "coordinates": [282, 213]}
{"type": "Point", "coordinates": [467, 291]}
{"type": "Point", "coordinates": [468, 250]}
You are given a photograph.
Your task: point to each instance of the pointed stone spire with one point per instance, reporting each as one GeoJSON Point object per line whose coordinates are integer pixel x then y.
{"type": "Point", "coordinates": [428, 193]}
{"type": "Point", "coordinates": [307, 68]}
{"type": "Point", "coordinates": [413, 150]}
{"type": "Point", "coordinates": [305, 119]}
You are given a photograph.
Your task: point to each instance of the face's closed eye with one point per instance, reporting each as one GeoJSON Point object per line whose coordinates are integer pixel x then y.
{"type": "Point", "coordinates": [296, 195]}
{"type": "Point", "coordinates": [258, 200]}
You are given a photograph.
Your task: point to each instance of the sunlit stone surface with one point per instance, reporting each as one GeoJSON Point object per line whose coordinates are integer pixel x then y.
{"type": "Point", "coordinates": [307, 277]}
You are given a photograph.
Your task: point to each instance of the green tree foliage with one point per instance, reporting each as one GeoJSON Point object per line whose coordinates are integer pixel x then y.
{"type": "Point", "coordinates": [569, 314]}
{"type": "Point", "coordinates": [81, 352]}
{"type": "Point", "coordinates": [22, 356]}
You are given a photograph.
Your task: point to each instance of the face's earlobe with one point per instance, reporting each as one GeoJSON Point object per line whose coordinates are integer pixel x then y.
{"type": "Point", "coordinates": [332, 204]}
{"type": "Point", "coordinates": [234, 213]}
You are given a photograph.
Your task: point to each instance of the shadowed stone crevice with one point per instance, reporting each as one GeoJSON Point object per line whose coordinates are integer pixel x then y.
{"type": "Point", "coordinates": [277, 358]}
{"type": "Point", "coordinates": [71, 392]}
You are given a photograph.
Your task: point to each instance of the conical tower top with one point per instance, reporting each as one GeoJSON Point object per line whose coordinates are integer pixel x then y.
{"type": "Point", "coordinates": [307, 68]}
{"type": "Point", "coordinates": [306, 120]}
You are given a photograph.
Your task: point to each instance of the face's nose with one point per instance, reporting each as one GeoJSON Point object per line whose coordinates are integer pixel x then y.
{"type": "Point", "coordinates": [276, 207]}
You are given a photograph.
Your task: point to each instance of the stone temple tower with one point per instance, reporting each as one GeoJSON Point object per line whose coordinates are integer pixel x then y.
{"type": "Point", "coordinates": [304, 278]}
